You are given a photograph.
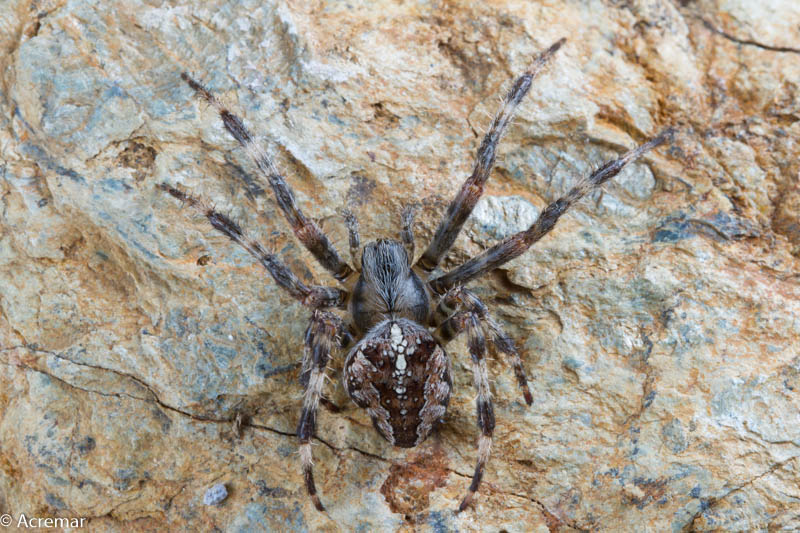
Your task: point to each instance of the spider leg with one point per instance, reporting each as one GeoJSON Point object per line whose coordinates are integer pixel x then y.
{"type": "Point", "coordinates": [322, 336]}
{"type": "Point", "coordinates": [305, 229]}
{"type": "Point", "coordinates": [351, 222]}
{"type": "Point", "coordinates": [468, 321]}
{"type": "Point", "coordinates": [312, 296]}
{"type": "Point", "coordinates": [472, 189]}
{"type": "Point", "coordinates": [517, 244]}
{"type": "Point", "coordinates": [407, 233]}
{"type": "Point", "coordinates": [459, 298]}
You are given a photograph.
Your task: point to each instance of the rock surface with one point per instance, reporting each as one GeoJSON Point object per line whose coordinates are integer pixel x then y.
{"type": "Point", "coordinates": [145, 358]}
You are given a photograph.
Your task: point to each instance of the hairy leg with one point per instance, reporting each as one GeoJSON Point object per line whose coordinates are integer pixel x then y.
{"type": "Point", "coordinates": [313, 296]}
{"type": "Point", "coordinates": [461, 298]}
{"type": "Point", "coordinates": [322, 336]}
{"type": "Point", "coordinates": [472, 189]}
{"type": "Point", "coordinates": [468, 321]}
{"type": "Point", "coordinates": [305, 229]}
{"type": "Point", "coordinates": [517, 244]}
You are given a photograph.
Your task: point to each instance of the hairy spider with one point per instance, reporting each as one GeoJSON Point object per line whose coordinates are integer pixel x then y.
{"type": "Point", "coordinates": [400, 316]}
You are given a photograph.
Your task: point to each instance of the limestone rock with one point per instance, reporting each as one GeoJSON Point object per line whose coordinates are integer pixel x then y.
{"type": "Point", "coordinates": [145, 358]}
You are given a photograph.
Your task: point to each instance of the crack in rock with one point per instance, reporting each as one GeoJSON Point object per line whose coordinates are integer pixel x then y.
{"type": "Point", "coordinates": [205, 419]}
{"type": "Point", "coordinates": [749, 42]}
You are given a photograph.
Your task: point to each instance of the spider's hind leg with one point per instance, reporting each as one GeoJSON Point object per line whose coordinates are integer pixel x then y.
{"type": "Point", "coordinates": [469, 321]}
{"type": "Point", "coordinates": [461, 298]}
{"type": "Point", "coordinates": [323, 335]}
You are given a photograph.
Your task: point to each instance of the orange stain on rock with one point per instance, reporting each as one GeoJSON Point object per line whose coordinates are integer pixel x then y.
{"type": "Point", "coordinates": [407, 489]}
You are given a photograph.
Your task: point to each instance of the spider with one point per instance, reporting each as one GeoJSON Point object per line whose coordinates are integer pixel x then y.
{"type": "Point", "coordinates": [400, 313]}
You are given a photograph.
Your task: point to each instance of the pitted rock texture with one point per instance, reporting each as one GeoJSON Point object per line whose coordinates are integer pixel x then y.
{"type": "Point", "coordinates": [145, 358]}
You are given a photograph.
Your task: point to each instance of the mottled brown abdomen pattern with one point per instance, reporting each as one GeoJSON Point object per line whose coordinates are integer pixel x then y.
{"type": "Point", "coordinates": [401, 376]}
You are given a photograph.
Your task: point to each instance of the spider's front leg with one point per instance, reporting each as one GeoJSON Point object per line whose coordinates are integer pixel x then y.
{"type": "Point", "coordinates": [469, 321]}
{"type": "Point", "coordinates": [461, 298]}
{"type": "Point", "coordinates": [325, 333]}
{"type": "Point", "coordinates": [306, 230]}
{"type": "Point", "coordinates": [518, 243]}
{"type": "Point", "coordinates": [472, 189]}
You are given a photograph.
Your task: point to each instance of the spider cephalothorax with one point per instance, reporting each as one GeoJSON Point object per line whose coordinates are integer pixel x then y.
{"type": "Point", "coordinates": [387, 287]}
{"type": "Point", "coordinates": [400, 315]}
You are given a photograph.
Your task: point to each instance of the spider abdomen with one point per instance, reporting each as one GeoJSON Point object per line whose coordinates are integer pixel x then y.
{"type": "Point", "coordinates": [401, 376]}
